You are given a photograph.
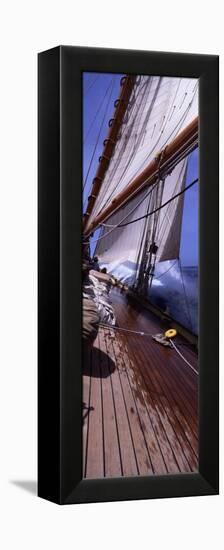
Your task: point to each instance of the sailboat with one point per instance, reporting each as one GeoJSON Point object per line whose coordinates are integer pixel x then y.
{"type": "Point", "coordinates": [140, 377]}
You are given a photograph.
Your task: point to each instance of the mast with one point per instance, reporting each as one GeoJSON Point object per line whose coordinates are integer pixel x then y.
{"type": "Point", "coordinates": [140, 197]}
{"type": "Point", "coordinates": [186, 141]}
{"type": "Point", "coordinates": [115, 123]}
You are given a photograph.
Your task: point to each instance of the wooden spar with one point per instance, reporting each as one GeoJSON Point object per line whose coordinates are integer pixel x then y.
{"type": "Point", "coordinates": [147, 177]}
{"type": "Point", "coordinates": [110, 142]}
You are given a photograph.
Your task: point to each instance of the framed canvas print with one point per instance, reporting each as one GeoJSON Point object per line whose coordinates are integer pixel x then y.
{"type": "Point", "coordinates": [128, 275]}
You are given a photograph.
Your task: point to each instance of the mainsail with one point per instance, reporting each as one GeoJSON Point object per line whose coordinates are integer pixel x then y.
{"type": "Point", "coordinates": [124, 243]}
{"type": "Point", "coordinates": [159, 109]}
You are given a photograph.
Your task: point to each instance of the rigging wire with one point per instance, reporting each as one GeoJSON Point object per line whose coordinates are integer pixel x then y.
{"type": "Point", "coordinates": [120, 224]}
{"type": "Point", "coordinates": [150, 262]}
{"type": "Point", "coordinates": [142, 200]}
{"type": "Point", "coordinates": [132, 153]}
{"type": "Point", "coordinates": [91, 85]}
{"type": "Point", "coordinates": [135, 108]}
{"type": "Point", "coordinates": [164, 272]}
{"type": "Point", "coordinates": [154, 238]}
{"type": "Point", "coordinates": [141, 248]}
{"type": "Point", "coordinates": [99, 134]}
{"type": "Point", "coordinates": [153, 211]}
{"type": "Point", "coordinates": [179, 123]}
{"type": "Point", "coordinates": [177, 127]}
{"type": "Point", "coordinates": [185, 294]}
{"type": "Point", "coordinates": [126, 216]}
{"type": "Point", "coordinates": [170, 209]}
{"type": "Point", "coordinates": [97, 112]}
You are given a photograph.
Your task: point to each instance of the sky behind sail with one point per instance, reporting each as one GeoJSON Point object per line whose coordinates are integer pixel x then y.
{"type": "Point", "coordinates": [100, 90]}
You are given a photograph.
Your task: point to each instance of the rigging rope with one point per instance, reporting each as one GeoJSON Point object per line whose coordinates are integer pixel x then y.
{"type": "Point", "coordinates": [141, 333]}
{"type": "Point", "coordinates": [99, 134]}
{"type": "Point", "coordinates": [155, 210]}
{"type": "Point", "coordinates": [182, 357]}
{"type": "Point", "coordinates": [176, 161]}
{"type": "Point", "coordinates": [134, 146]}
{"type": "Point", "coordinates": [131, 155]}
{"type": "Point", "coordinates": [128, 129]}
{"type": "Point", "coordinates": [178, 127]}
{"type": "Point", "coordinates": [125, 217]}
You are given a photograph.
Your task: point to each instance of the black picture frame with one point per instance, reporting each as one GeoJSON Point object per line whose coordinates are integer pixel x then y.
{"type": "Point", "coordinates": [59, 275]}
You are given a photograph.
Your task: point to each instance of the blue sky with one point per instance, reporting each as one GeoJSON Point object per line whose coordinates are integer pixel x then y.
{"type": "Point", "coordinates": [95, 86]}
{"type": "Point", "coordinates": [189, 236]}
{"type": "Point", "coordinates": [100, 90]}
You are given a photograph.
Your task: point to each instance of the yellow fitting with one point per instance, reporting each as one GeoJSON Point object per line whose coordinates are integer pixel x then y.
{"type": "Point", "coordinates": [171, 333]}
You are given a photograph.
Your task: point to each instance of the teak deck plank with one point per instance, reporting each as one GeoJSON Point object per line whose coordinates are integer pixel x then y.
{"type": "Point", "coordinates": [152, 442]}
{"type": "Point", "coordinates": [178, 404]}
{"type": "Point", "coordinates": [179, 417]}
{"type": "Point", "coordinates": [139, 441]}
{"type": "Point", "coordinates": [166, 386]}
{"type": "Point", "coordinates": [112, 459]}
{"type": "Point", "coordinates": [142, 401]}
{"type": "Point", "coordinates": [168, 366]}
{"type": "Point", "coordinates": [156, 414]}
{"type": "Point", "coordinates": [95, 455]}
{"type": "Point", "coordinates": [86, 397]}
{"type": "Point", "coordinates": [127, 449]}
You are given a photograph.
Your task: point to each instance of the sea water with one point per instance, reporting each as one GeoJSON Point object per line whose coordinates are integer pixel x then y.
{"type": "Point", "coordinates": [174, 290]}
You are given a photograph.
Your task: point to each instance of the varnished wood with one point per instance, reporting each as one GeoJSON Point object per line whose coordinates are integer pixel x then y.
{"type": "Point", "coordinates": [95, 454]}
{"type": "Point", "coordinates": [188, 137]}
{"type": "Point", "coordinates": [112, 455]}
{"type": "Point", "coordinates": [110, 143]}
{"type": "Point", "coordinates": [142, 400]}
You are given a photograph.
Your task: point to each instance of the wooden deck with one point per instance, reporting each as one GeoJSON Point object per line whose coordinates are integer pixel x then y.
{"type": "Point", "coordinates": [139, 400]}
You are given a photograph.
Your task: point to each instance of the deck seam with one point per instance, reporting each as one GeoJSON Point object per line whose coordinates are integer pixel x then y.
{"type": "Point", "coordinates": [136, 407]}
{"type": "Point", "coordinates": [174, 413]}
{"type": "Point", "coordinates": [115, 412]}
{"type": "Point", "coordinates": [87, 434]}
{"type": "Point", "coordinates": [128, 419]}
{"type": "Point", "coordinates": [160, 422]}
{"type": "Point", "coordinates": [152, 398]}
{"type": "Point", "coordinates": [102, 406]}
{"type": "Point", "coordinates": [153, 430]}
{"type": "Point", "coordinates": [169, 422]}
{"type": "Point", "coordinates": [109, 344]}
{"type": "Point", "coordinates": [174, 375]}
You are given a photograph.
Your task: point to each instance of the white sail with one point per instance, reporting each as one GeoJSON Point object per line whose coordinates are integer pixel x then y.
{"type": "Point", "coordinates": [124, 246]}
{"type": "Point", "coordinates": [159, 108]}
{"type": "Point", "coordinates": [168, 233]}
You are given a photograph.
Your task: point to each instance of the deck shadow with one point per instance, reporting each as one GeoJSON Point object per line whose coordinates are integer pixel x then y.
{"type": "Point", "coordinates": [96, 356]}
